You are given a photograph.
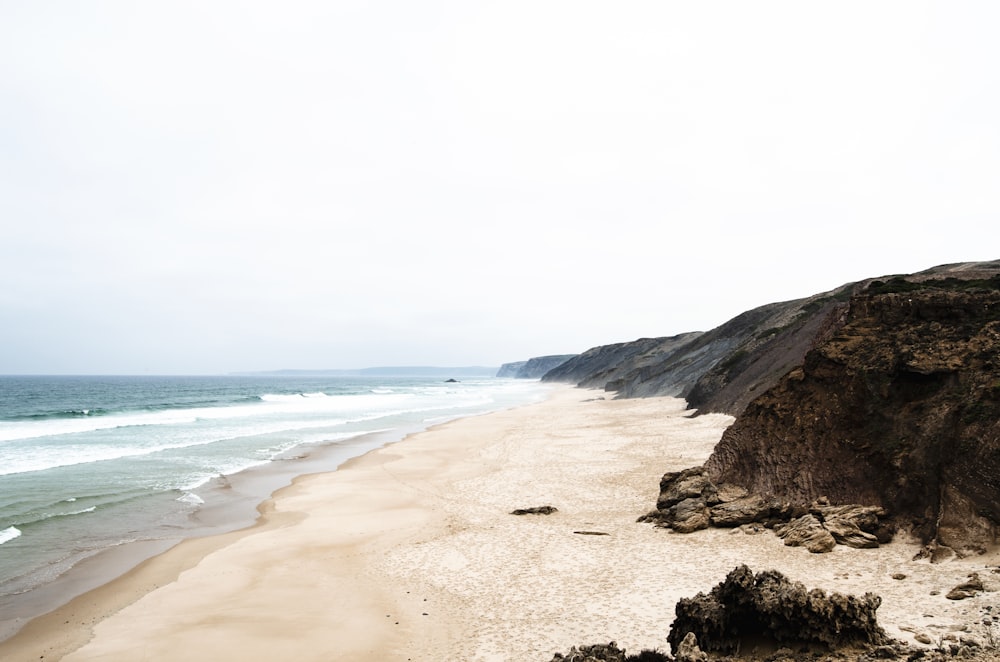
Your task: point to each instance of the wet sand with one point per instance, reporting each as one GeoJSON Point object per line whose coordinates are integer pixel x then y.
{"type": "Point", "coordinates": [410, 553]}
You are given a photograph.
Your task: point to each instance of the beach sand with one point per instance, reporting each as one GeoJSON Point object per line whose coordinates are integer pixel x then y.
{"type": "Point", "coordinates": [410, 553]}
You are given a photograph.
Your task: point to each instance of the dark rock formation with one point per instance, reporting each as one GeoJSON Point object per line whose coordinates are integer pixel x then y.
{"type": "Point", "coordinates": [808, 532]}
{"type": "Point", "coordinates": [967, 589]}
{"type": "Point", "coordinates": [693, 483]}
{"type": "Point", "coordinates": [768, 610]}
{"type": "Point", "coordinates": [690, 501]}
{"type": "Point", "coordinates": [898, 407]}
{"type": "Point", "coordinates": [536, 510]}
{"type": "Point", "coordinates": [608, 653]}
{"type": "Point", "coordinates": [533, 368]}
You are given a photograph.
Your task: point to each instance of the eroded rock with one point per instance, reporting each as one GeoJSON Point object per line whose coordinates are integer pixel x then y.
{"type": "Point", "coordinates": [751, 508]}
{"type": "Point", "coordinates": [690, 483]}
{"type": "Point", "coordinates": [689, 515]}
{"type": "Point", "coordinates": [808, 532]}
{"type": "Point", "coordinates": [690, 501]}
{"type": "Point", "coordinates": [767, 606]}
{"type": "Point", "coordinates": [688, 650]}
{"type": "Point", "coordinates": [847, 533]}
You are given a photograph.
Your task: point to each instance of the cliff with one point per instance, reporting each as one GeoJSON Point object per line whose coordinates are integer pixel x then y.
{"type": "Point", "coordinates": [883, 393]}
{"type": "Point", "coordinates": [533, 368]}
{"type": "Point", "coordinates": [897, 406]}
{"type": "Point", "coordinates": [720, 370]}
{"type": "Point", "coordinates": [509, 370]}
{"type": "Point", "coordinates": [599, 366]}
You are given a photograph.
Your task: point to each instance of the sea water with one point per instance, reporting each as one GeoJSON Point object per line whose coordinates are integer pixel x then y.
{"type": "Point", "coordinates": [91, 463]}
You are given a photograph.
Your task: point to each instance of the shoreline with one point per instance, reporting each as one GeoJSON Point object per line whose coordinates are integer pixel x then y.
{"type": "Point", "coordinates": [409, 552]}
{"type": "Point", "coordinates": [236, 506]}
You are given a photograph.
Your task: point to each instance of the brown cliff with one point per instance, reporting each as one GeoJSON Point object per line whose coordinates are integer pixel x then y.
{"type": "Point", "coordinates": [897, 406]}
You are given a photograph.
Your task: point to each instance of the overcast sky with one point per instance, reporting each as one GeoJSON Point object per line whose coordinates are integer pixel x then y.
{"type": "Point", "coordinates": [204, 187]}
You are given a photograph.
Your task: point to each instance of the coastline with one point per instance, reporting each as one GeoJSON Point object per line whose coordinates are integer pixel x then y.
{"type": "Point", "coordinates": [231, 503]}
{"type": "Point", "coordinates": [242, 495]}
{"type": "Point", "coordinates": [409, 552]}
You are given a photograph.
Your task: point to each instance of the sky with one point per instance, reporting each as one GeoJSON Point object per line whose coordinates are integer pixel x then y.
{"type": "Point", "coordinates": [194, 187]}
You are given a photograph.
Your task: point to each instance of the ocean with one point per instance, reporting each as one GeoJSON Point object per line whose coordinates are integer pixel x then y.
{"type": "Point", "coordinates": [89, 464]}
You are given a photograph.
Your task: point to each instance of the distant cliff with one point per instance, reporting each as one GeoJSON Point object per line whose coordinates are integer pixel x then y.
{"type": "Point", "coordinates": [533, 368]}
{"type": "Point", "coordinates": [720, 370]}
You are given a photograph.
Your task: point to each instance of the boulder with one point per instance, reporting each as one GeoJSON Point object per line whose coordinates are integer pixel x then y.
{"type": "Point", "coordinates": [847, 533]}
{"type": "Point", "coordinates": [535, 510]}
{"type": "Point", "coordinates": [967, 589]}
{"type": "Point", "coordinates": [688, 651]}
{"type": "Point", "coordinates": [676, 486]}
{"type": "Point", "coordinates": [808, 532]}
{"type": "Point", "coordinates": [688, 515]}
{"type": "Point", "coordinates": [752, 508]}
{"type": "Point", "coordinates": [866, 518]}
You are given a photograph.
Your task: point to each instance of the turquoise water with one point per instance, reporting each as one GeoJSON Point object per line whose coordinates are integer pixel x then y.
{"type": "Point", "coordinates": [89, 463]}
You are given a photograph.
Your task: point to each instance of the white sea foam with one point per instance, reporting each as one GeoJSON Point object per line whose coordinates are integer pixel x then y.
{"type": "Point", "coordinates": [9, 534]}
{"type": "Point", "coordinates": [271, 405]}
{"type": "Point", "coordinates": [174, 430]}
{"type": "Point", "coordinates": [191, 498]}
{"type": "Point", "coordinates": [14, 461]}
{"type": "Point", "coordinates": [80, 512]}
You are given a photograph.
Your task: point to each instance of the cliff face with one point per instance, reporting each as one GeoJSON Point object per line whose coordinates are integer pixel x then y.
{"type": "Point", "coordinates": [598, 367]}
{"type": "Point", "coordinates": [720, 370]}
{"type": "Point", "coordinates": [509, 370]}
{"type": "Point", "coordinates": [897, 405]}
{"type": "Point", "coordinates": [533, 368]}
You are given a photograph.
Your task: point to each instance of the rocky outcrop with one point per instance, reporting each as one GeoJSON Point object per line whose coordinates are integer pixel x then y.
{"type": "Point", "coordinates": [767, 609]}
{"type": "Point", "coordinates": [533, 368]}
{"type": "Point", "coordinates": [766, 617]}
{"type": "Point", "coordinates": [897, 407]}
{"type": "Point", "coordinates": [689, 501]}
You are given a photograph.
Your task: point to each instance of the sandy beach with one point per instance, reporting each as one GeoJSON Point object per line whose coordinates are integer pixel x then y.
{"type": "Point", "coordinates": [410, 553]}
